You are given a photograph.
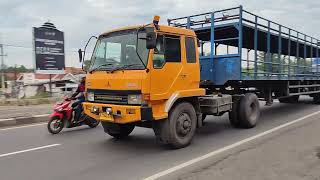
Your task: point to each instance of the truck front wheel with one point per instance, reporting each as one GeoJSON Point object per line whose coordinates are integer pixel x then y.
{"type": "Point", "coordinates": [179, 129]}
{"type": "Point", "coordinates": [117, 131]}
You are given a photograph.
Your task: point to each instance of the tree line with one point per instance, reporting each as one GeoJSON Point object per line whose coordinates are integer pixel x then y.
{"type": "Point", "coordinates": [16, 69]}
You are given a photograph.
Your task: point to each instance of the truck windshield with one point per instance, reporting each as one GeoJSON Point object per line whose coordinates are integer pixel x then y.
{"type": "Point", "coordinates": [117, 50]}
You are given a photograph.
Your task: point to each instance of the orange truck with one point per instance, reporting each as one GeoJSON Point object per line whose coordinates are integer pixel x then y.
{"type": "Point", "coordinates": [160, 77]}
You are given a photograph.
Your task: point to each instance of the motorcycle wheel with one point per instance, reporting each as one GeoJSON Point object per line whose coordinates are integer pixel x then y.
{"type": "Point", "coordinates": [55, 125]}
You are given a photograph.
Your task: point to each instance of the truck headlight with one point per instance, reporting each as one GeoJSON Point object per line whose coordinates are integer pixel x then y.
{"type": "Point", "coordinates": [134, 99]}
{"type": "Point", "coordinates": [90, 96]}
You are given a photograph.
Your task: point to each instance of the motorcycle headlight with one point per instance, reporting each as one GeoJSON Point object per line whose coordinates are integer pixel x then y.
{"type": "Point", "coordinates": [90, 96]}
{"type": "Point", "coordinates": [134, 99]}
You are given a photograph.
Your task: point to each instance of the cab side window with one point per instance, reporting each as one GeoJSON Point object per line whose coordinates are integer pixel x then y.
{"type": "Point", "coordinates": [190, 50]}
{"type": "Point", "coordinates": [167, 50]}
{"type": "Point", "coordinates": [172, 49]}
{"type": "Point", "coordinates": [158, 55]}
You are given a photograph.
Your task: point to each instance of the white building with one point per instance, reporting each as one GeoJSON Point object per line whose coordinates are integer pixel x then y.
{"type": "Point", "coordinates": [30, 84]}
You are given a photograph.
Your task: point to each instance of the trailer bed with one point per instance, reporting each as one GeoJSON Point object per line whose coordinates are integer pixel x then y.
{"type": "Point", "coordinates": [262, 49]}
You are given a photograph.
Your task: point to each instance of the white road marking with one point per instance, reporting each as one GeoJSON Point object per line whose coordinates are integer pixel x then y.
{"type": "Point", "coordinates": [18, 127]}
{"type": "Point", "coordinates": [226, 148]}
{"type": "Point", "coordinates": [28, 150]}
{"type": "Point", "coordinates": [8, 119]}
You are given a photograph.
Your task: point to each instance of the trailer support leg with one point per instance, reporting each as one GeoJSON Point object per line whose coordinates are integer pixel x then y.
{"type": "Point", "coordinates": [268, 97]}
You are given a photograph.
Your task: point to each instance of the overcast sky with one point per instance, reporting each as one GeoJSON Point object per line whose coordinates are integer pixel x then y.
{"type": "Point", "coordinates": [82, 18]}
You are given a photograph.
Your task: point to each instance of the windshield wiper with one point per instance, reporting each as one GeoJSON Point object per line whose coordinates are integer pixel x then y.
{"type": "Point", "coordinates": [124, 67]}
{"type": "Point", "coordinates": [100, 66]}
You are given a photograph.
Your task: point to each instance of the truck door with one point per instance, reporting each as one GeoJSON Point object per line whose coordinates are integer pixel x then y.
{"type": "Point", "coordinates": [191, 63]}
{"type": "Point", "coordinates": [167, 72]}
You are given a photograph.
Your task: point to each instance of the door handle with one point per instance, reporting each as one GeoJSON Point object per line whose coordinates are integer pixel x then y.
{"type": "Point", "coordinates": [183, 75]}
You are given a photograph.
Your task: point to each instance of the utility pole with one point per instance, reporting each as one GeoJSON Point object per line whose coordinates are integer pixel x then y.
{"type": "Point", "coordinates": [2, 68]}
{"type": "Point", "coordinates": [50, 84]}
{"type": "Point", "coordinates": [14, 87]}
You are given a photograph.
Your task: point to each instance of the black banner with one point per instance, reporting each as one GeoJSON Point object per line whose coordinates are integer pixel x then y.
{"type": "Point", "coordinates": [49, 50]}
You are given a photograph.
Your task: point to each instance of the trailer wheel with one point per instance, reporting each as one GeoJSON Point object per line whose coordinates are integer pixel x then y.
{"type": "Point", "coordinates": [178, 130]}
{"type": "Point", "coordinates": [291, 99]}
{"type": "Point", "coordinates": [234, 114]}
{"type": "Point", "coordinates": [316, 99]}
{"type": "Point", "coordinates": [249, 110]}
{"type": "Point", "coordinates": [117, 131]}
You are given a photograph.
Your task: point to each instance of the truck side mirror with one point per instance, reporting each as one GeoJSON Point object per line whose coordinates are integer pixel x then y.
{"type": "Point", "coordinates": [151, 40]}
{"type": "Point", "coordinates": [80, 55]}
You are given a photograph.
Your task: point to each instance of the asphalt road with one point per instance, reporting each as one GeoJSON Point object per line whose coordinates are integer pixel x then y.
{"type": "Point", "coordinates": [84, 153]}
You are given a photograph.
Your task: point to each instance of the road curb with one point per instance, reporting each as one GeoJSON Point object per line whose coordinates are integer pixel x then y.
{"type": "Point", "coordinates": [24, 120]}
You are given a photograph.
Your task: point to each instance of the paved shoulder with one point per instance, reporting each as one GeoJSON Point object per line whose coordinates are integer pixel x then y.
{"type": "Point", "coordinates": [293, 153]}
{"type": "Point", "coordinates": [24, 111]}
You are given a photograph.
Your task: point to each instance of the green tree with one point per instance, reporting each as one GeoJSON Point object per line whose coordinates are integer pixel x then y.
{"type": "Point", "coordinates": [275, 66]}
{"type": "Point", "coordinates": [17, 69]}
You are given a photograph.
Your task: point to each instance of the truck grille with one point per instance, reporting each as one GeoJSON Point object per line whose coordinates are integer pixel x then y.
{"type": "Point", "coordinates": [112, 96]}
{"type": "Point", "coordinates": [110, 99]}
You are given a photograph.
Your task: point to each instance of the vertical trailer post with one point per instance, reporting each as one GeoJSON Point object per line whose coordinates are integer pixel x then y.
{"type": "Point", "coordinates": [298, 61]}
{"type": "Point", "coordinates": [240, 39]}
{"type": "Point", "coordinates": [269, 63]}
{"type": "Point", "coordinates": [248, 64]}
{"type": "Point", "coordinates": [317, 58]}
{"type": "Point", "coordinates": [289, 52]}
{"type": "Point", "coordinates": [279, 52]}
{"type": "Point", "coordinates": [311, 57]}
{"type": "Point", "coordinates": [304, 56]}
{"type": "Point", "coordinates": [212, 36]}
{"type": "Point", "coordinates": [256, 48]}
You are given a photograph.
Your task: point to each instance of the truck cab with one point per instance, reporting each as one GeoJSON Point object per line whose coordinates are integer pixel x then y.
{"type": "Point", "coordinates": [138, 76]}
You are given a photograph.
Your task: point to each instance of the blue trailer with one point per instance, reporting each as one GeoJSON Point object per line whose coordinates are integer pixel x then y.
{"type": "Point", "coordinates": [244, 51]}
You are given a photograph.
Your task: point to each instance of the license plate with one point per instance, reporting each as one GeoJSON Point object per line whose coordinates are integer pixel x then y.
{"type": "Point", "coordinates": [106, 117]}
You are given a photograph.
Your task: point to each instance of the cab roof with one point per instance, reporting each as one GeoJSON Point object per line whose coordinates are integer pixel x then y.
{"type": "Point", "coordinates": [163, 28]}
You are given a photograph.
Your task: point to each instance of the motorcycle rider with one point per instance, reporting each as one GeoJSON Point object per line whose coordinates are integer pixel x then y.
{"type": "Point", "coordinates": [79, 94]}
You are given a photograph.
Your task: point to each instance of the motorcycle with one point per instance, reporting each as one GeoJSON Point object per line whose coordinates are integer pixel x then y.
{"type": "Point", "coordinates": [63, 116]}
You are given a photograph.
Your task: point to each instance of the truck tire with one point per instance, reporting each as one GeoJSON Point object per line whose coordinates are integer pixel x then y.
{"type": "Point", "coordinates": [234, 117]}
{"type": "Point", "coordinates": [316, 99]}
{"type": "Point", "coordinates": [117, 131]}
{"type": "Point", "coordinates": [249, 110]}
{"type": "Point", "coordinates": [291, 99]}
{"type": "Point", "coordinates": [178, 130]}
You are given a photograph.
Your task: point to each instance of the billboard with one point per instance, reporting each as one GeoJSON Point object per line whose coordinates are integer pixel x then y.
{"type": "Point", "coordinates": [49, 50]}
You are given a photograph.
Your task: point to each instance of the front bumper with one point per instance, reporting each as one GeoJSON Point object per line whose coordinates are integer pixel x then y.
{"type": "Point", "coordinates": [121, 114]}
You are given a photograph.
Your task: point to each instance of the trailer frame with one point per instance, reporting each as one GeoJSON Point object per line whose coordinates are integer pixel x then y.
{"type": "Point", "coordinates": [268, 53]}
